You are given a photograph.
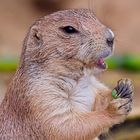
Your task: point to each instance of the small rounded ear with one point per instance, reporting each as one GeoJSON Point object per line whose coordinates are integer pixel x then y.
{"type": "Point", "coordinates": [34, 38]}
{"type": "Point", "coordinates": [37, 38]}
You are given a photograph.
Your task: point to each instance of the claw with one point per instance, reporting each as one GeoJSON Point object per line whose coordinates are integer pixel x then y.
{"type": "Point", "coordinates": [120, 87]}
{"type": "Point", "coordinates": [124, 88]}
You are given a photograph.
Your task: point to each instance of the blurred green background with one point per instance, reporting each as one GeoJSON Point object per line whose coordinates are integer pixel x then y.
{"type": "Point", "coordinates": [122, 16]}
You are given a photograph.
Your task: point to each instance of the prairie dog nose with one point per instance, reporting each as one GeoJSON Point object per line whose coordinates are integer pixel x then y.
{"type": "Point", "coordinates": [110, 37]}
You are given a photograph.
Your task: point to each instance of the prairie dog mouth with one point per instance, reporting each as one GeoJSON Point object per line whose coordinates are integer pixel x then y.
{"type": "Point", "coordinates": [101, 63]}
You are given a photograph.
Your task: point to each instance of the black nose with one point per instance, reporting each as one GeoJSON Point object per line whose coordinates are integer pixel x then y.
{"type": "Point", "coordinates": [110, 41]}
{"type": "Point", "coordinates": [109, 37]}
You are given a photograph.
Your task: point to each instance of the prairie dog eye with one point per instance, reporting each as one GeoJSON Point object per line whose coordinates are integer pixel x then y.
{"type": "Point", "coordinates": [69, 30]}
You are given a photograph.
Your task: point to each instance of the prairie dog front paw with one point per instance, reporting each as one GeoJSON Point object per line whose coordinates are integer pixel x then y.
{"type": "Point", "coordinates": [119, 108]}
{"type": "Point", "coordinates": [121, 105]}
{"type": "Point", "coordinates": [124, 89]}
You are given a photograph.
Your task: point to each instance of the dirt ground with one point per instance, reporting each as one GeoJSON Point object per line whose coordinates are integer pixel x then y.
{"type": "Point", "coordinates": [122, 16]}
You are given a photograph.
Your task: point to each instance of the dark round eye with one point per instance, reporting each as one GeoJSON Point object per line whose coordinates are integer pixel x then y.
{"type": "Point", "coordinates": [69, 30]}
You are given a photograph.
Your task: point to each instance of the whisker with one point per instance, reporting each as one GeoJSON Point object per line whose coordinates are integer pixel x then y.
{"type": "Point", "coordinates": [91, 6]}
{"type": "Point", "coordinates": [89, 45]}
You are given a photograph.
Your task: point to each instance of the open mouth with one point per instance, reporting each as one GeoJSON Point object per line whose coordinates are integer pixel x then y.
{"type": "Point", "coordinates": [101, 63]}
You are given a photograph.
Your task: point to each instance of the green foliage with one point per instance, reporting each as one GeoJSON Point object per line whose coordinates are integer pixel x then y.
{"type": "Point", "coordinates": [126, 62]}
{"type": "Point", "coordinates": [131, 63]}
{"type": "Point", "coordinates": [8, 64]}
{"type": "Point", "coordinates": [115, 62]}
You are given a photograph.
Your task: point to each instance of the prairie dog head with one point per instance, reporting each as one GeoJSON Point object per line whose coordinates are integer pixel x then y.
{"type": "Point", "coordinates": [68, 35]}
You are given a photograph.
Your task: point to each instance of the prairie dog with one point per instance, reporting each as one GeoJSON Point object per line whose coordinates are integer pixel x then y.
{"type": "Point", "coordinates": [54, 94]}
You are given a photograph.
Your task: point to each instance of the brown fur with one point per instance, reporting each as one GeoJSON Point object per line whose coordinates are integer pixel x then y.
{"type": "Point", "coordinates": [41, 101]}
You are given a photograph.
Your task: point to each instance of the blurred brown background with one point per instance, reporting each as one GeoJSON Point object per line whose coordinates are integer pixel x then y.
{"type": "Point", "coordinates": [122, 16]}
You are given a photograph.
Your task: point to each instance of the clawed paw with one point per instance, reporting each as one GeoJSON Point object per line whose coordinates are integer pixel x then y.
{"type": "Point", "coordinates": [121, 105]}
{"type": "Point", "coordinates": [124, 89]}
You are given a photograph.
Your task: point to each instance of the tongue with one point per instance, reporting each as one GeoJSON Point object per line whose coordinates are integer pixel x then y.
{"type": "Point", "coordinates": [101, 64]}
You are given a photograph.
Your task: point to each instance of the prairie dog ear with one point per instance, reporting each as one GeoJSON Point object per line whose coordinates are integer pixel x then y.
{"type": "Point", "coordinates": [34, 38]}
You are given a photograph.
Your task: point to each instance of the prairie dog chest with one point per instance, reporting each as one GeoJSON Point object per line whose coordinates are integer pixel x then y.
{"type": "Point", "coordinates": [85, 92]}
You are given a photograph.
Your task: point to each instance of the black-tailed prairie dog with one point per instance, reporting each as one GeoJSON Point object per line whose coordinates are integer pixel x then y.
{"type": "Point", "coordinates": [54, 94]}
